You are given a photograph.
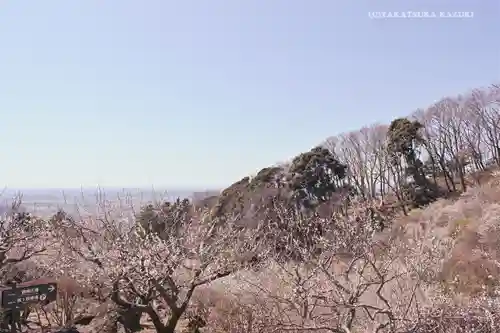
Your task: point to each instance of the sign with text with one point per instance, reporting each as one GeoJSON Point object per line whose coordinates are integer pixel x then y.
{"type": "Point", "coordinates": [19, 296]}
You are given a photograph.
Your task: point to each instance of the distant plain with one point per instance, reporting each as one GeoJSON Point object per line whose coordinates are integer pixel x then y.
{"type": "Point", "coordinates": [90, 201]}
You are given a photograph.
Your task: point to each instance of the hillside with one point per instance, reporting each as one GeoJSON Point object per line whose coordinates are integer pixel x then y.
{"type": "Point", "coordinates": [444, 260]}
{"type": "Point", "coordinates": [433, 153]}
{"type": "Point", "coordinates": [387, 229]}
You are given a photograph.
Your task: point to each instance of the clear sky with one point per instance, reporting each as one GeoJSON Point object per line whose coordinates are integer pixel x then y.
{"type": "Point", "coordinates": [199, 93]}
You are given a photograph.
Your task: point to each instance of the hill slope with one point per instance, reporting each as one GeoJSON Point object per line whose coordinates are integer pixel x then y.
{"type": "Point", "coordinates": [445, 258]}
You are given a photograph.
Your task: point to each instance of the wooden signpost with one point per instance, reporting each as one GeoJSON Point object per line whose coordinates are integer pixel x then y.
{"type": "Point", "coordinates": [18, 297]}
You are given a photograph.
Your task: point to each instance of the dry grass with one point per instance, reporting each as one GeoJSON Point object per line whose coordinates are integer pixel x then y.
{"type": "Point", "coordinates": [471, 225]}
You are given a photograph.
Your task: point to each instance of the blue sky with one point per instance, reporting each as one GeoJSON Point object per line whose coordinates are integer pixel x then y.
{"type": "Point", "coordinates": [197, 94]}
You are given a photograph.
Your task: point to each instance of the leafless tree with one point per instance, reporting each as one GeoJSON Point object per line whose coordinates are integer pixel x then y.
{"type": "Point", "coordinates": [351, 284]}
{"type": "Point", "coordinates": [144, 273]}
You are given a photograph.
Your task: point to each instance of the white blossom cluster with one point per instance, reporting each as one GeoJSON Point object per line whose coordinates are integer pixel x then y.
{"type": "Point", "coordinates": [22, 236]}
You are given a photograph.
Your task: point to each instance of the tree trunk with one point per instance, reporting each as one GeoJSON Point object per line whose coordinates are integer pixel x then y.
{"type": "Point", "coordinates": [171, 324]}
